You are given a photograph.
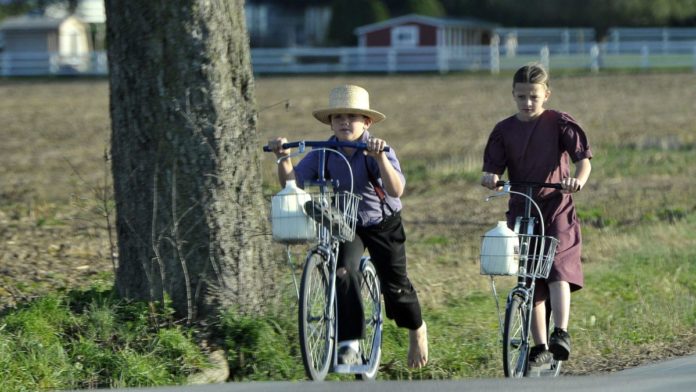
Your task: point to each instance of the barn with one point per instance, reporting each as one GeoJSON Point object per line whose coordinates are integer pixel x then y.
{"type": "Point", "coordinates": [38, 43]}
{"type": "Point", "coordinates": [411, 31]}
{"type": "Point", "coordinates": [423, 43]}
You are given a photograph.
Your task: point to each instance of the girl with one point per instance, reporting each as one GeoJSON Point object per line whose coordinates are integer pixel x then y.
{"type": "Point", "coordinates": [536, 145]}
{"type": "Point", "coordinates": [379, 227]}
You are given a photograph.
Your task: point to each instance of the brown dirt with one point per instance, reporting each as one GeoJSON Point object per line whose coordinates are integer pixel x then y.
{"type": "Point", "coordinates": [52, 168]}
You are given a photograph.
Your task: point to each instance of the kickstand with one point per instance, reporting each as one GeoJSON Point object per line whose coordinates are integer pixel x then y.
{"type": "Point", "coordinates": [497, 305]}
{"type": "Point", "coordinates": [288, 256]}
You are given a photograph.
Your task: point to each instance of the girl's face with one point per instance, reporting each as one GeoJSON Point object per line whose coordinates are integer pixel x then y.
{"type": "Point", "coordinates": [530, 98]}
{"type": "Point", "coordinates": [349, 127]}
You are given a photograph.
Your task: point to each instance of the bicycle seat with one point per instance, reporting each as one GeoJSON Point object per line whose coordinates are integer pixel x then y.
{"type": "Point", "coordinates": [329, 217]}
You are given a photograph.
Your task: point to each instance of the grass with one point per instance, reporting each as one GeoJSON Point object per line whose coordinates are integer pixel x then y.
{"type": "Point", "coordinates": [642, 302]}
{"type": "Point", "coordinates": [60, 330]}
{"type": "Point", "coordinates": [89, 339]}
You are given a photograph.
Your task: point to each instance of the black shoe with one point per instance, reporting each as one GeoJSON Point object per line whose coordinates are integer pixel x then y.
{"type": "Point", "coordinates": [559, 344]}
{"type": "Point", "coordinates": [348, 356]}
{"type": "Point", "coordinates": [539, 356]}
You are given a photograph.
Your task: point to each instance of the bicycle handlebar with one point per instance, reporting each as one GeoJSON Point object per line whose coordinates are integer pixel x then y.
{"type": "Point", "coordinates": [529, 184]}
{"type": "Point", "coordinates": [325, 144]}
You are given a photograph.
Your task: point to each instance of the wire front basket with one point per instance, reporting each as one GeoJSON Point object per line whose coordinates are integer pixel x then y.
{"type": "Point", "coordinates": [536, 255]}
{"type": "Point", "coordinates": [299, 218]}
{"type": "Point", "coordinates": [529, 256]}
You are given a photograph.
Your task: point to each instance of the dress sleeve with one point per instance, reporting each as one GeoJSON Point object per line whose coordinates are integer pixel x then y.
{"type": "Point", "coordinates": [573, 138]}
{"type": "Point", "coordinates": [494, 158]}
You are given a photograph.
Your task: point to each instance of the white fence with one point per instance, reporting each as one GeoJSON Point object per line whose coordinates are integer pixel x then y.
{"type": "Point", "coordinates": [489, 58]}
{"type": "Point", "coordinates": [493, 58]}
{"type": "Point", "coordinates": [51, 63]}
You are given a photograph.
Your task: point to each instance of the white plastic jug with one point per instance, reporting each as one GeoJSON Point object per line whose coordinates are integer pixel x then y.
{"type": "Point", "coordinates": [289, 221]}
{"type": "Point", "coordinates": [500, 251]}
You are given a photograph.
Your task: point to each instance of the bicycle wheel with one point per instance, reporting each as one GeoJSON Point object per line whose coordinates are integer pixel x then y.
{"type": "Point", "coordinates": [316, 318]}
{"type": "Point", "coordinates": [515, 338]}
{"type": "Point", "coordinates": [371, 346]}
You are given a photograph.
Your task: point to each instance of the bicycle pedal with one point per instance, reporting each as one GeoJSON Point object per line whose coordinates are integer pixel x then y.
{"type": "Point", "coordinates": [540, 367]}
{"type": "Point", "coordinates": [541, 370]}
{"type": "Point", "coordinates": [350, 369]}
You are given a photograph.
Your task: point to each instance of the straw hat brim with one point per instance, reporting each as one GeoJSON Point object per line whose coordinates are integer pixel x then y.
{"type": "Point", "coordinates": [324, 115]}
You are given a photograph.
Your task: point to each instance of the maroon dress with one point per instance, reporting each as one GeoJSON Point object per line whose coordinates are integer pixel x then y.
{"type": "Point", "coordinates": [540, 151]}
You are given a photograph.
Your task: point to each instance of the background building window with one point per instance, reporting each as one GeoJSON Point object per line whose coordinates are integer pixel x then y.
{"type": "Point", "coordinates": [405, 36]}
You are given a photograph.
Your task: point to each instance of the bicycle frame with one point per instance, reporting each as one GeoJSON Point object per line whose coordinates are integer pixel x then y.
{"type": "Point", "coordinates": [526, 283]}
{"type": "Point", "coordinates": [327, 248]}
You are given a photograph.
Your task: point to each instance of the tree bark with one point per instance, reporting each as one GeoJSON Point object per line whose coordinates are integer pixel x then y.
{"type": "Point", "coordinates": [190, 217]}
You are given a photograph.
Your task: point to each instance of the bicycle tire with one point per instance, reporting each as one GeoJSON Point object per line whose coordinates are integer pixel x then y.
{"type": "Point", "coordinates": [316, 318]}
{"type": "Point", "coordinates": [371, 346]}
{"type": "Point", "coordinates": [515, 338]}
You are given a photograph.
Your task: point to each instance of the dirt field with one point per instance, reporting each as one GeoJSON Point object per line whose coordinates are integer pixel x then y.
{"type": "Point", "coordinates": [54, 136]}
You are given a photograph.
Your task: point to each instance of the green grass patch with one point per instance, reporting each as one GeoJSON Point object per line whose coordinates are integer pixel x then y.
{"type": "Point", "coordinates": [646, 297]}
{"type": "Point", "coordinates": [664, 156]}
{"type": "Point", "coordinates": [92, 340]}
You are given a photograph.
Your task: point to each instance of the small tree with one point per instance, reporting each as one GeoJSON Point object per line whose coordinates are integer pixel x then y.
{"type": "Point", "coordinates": [425, 7]}
{"type": "Point", "coordinates": [190, 213]}
{"type": "Point", "coordinates": [347, 15]}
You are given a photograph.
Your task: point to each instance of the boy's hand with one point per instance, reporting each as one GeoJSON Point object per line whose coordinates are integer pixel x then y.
{"type": "Point", "coordinates": [375, 146]}
{"type": "Point", "coordinates": [489, 180]}
{"type": "Point", "coordinates": [276, 146]}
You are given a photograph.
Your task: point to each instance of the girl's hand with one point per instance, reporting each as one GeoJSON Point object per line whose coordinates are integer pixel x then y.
{"type": "Point", "coordinates": [277, 147]}
{"type": "Point", "coordinates": [489, 180]}
{"type": "Point", "coordinates": [375, 146]}
{"type": "Point", "coordinates": [571, 185]}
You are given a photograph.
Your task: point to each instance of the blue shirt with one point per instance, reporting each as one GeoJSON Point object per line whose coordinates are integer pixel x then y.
{"type": "Point", "coordinates": [369, 209]}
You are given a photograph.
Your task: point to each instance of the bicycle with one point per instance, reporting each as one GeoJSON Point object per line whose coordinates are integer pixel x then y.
{"type": "Point", "coordinates": [536, 254]}
{"type": "Point", "coordinates": [334, 216]}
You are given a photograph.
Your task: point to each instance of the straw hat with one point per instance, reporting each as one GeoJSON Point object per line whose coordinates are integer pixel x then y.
{"type": "Point", "coordinates": [348, 99]}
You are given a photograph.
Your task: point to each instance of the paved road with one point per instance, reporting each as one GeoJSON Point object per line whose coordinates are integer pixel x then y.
{"type": "Point", "coordinates": [671, 375]}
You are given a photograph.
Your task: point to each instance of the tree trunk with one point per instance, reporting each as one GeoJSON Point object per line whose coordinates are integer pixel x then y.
{"type": "Point", "coordinates": [191, 217]}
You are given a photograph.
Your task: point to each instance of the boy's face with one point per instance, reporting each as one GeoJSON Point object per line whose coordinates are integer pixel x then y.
{"type": "Point", "coordinates": [530, 99]}
{"type": "Point", "coordinates": [349, 127]}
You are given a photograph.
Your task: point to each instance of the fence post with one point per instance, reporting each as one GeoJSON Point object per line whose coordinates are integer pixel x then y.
{"type": "Point", "coordinates": [7, 63]}
{"type": "Point", "coordinates": [391, 61]}
{"type": "Point", "coordinates": [343, 60]}
{"type": "Point", "coordinates": [544, 54]}
{"type": "Point", "coordinates": [594, 58]}
{"type": "Point", "coordinates": [362, 58]}
{"type": "Point", "coordinates": [443, 59]}
{"type": "Point", "coordinates": [53, 63]}
{"type": "Point", "coordinates": [495, 54]}
{"type": "Point", "coordinates": [616, 40]}
{"type": "Point", "coordinates": [644, 57]}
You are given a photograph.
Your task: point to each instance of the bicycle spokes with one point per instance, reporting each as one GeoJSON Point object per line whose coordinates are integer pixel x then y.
{"type": "Point", "coordinates": [316, 318]}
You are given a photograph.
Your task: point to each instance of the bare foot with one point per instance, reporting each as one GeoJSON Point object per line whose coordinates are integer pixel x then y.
{"type": "Point", "coordinates": [418, 347]}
